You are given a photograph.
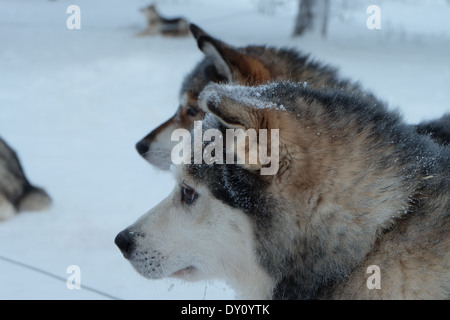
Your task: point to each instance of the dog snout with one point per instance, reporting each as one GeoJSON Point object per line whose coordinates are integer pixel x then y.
{"type": "Point", "coordinates": [142, 147]}
{"type": "Point", "coordinates": [125, 242]}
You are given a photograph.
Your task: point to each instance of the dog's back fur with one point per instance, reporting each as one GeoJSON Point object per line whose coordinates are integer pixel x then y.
{"type": "Point", "coordinates": [439, 129]}
{"type": "Point", "coordinates": [16, 192]}
{"type": "Point", "coordinates": [356, 187]}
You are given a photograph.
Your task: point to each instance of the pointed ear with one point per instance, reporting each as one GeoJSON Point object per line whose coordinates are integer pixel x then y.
{"type": "Point", "coordinates": [234, 65]}
{"type": "Point", "coordinates": [231, 112]}
{"type": "Point", "coordinates": [213, 49]}
{"type": "Point", "coordinates": [237, 108]}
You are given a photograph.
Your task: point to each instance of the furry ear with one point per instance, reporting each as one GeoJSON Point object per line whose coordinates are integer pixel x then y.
{"type": "Point", "coordinates": [230, 62]}
{"type": "Point", "coordinates": [225, 106]}
{"type": "Point", "coordinates": [213, 49]}
{"type": "Point", "coordinates": [236, 107]}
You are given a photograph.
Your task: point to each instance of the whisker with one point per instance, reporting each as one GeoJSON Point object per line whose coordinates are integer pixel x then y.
{"type": "Point", "coordinates": [162, 154]}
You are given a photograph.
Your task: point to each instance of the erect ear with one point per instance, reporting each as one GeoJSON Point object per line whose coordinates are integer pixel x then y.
{"type": "Point", "coordinates": [236, 66]}
{"type": "Point", "coordinates": [238, 107]}
{"type": "Point", "coordinates": [222, 102]}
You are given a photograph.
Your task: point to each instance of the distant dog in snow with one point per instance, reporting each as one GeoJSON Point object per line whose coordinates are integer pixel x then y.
{"type": "Point", "coordinates": [16, 192]}
{"type": "Point", "coordinates": [156, 24]}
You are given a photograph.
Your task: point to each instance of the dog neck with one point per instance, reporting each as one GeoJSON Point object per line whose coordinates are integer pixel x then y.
{"type": "Point", "coordinates": [342, 202]}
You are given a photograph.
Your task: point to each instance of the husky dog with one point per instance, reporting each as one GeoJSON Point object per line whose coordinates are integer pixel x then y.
{"type": "Point", "coordinates": [357, 192]}
{"type": "Point", "coordinates": [16, 192]}
{"type": "Point", "coordinates": [251, 65]}
{"type": "Point", "coordinates": [156, 24]}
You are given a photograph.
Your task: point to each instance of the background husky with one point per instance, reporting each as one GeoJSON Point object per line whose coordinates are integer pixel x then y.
{"type": "Point", "coordinates": [356, 187]}
{"type": "Point", "coordinates": [16, 192]}
{"type": "Point", "coordinates": [156, 24]}
{"type": "Point", "coordinates": [251, 65]}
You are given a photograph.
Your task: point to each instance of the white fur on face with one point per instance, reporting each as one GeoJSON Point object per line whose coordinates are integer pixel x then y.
{"type": "Point", "coordinates": [204, 240]}
{"type": "Point", "coordinates": [161, 148]}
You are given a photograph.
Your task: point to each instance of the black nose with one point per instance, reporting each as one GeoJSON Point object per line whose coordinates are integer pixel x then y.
{"type": "Point", "coordinates": [124, 240]}
{"type": "Point", "coordinates": [142, 147]}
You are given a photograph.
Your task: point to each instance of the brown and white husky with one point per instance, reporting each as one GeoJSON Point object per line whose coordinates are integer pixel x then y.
{"type": "Point", "coordinates": [249, 66]}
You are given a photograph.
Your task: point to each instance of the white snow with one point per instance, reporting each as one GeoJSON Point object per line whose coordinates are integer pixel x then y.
{"type": "Point", "coordinates": [73, 103]}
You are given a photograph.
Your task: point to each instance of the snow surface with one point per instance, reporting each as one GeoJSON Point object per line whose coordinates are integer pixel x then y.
{"type": "Point", "coordinates": [73, 103]}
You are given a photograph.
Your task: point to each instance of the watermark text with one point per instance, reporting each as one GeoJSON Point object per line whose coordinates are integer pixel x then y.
{"type": "Point", "coordinates": [208, 147]}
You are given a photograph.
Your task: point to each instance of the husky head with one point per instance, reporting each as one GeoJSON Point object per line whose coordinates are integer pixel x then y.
{"type": "Point", "coordinates": [219, 221]}
{"type": "Point", "coordinates": [150, 13]}
{"type": "Point", "coordinates": [297, 231]}
{"type": "Point", "coordinates": [222, 64]}
{"type": "Point", "coordinates": [247, 66]}
{"type": "Point", "coordinates": [207, 231]}
{"type": "Point", "coordinates": [191, 235]}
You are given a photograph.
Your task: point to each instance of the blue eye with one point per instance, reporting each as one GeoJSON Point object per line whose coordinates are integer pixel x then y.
{"type": "Point", "coordinates": [188, 195]}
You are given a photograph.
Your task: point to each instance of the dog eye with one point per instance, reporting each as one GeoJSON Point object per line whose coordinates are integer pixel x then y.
{"type": "Point", "coordinates": [192, 111]}
{"type": "Point", "coordinates": [188, 195]}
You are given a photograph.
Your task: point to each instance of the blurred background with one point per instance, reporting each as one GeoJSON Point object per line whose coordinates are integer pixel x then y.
{"type": "Point", "coordinates": [73, 103]}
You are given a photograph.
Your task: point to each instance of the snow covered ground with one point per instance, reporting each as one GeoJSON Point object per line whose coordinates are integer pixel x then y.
{"type": "Point", "coordinates": [73, 103]}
